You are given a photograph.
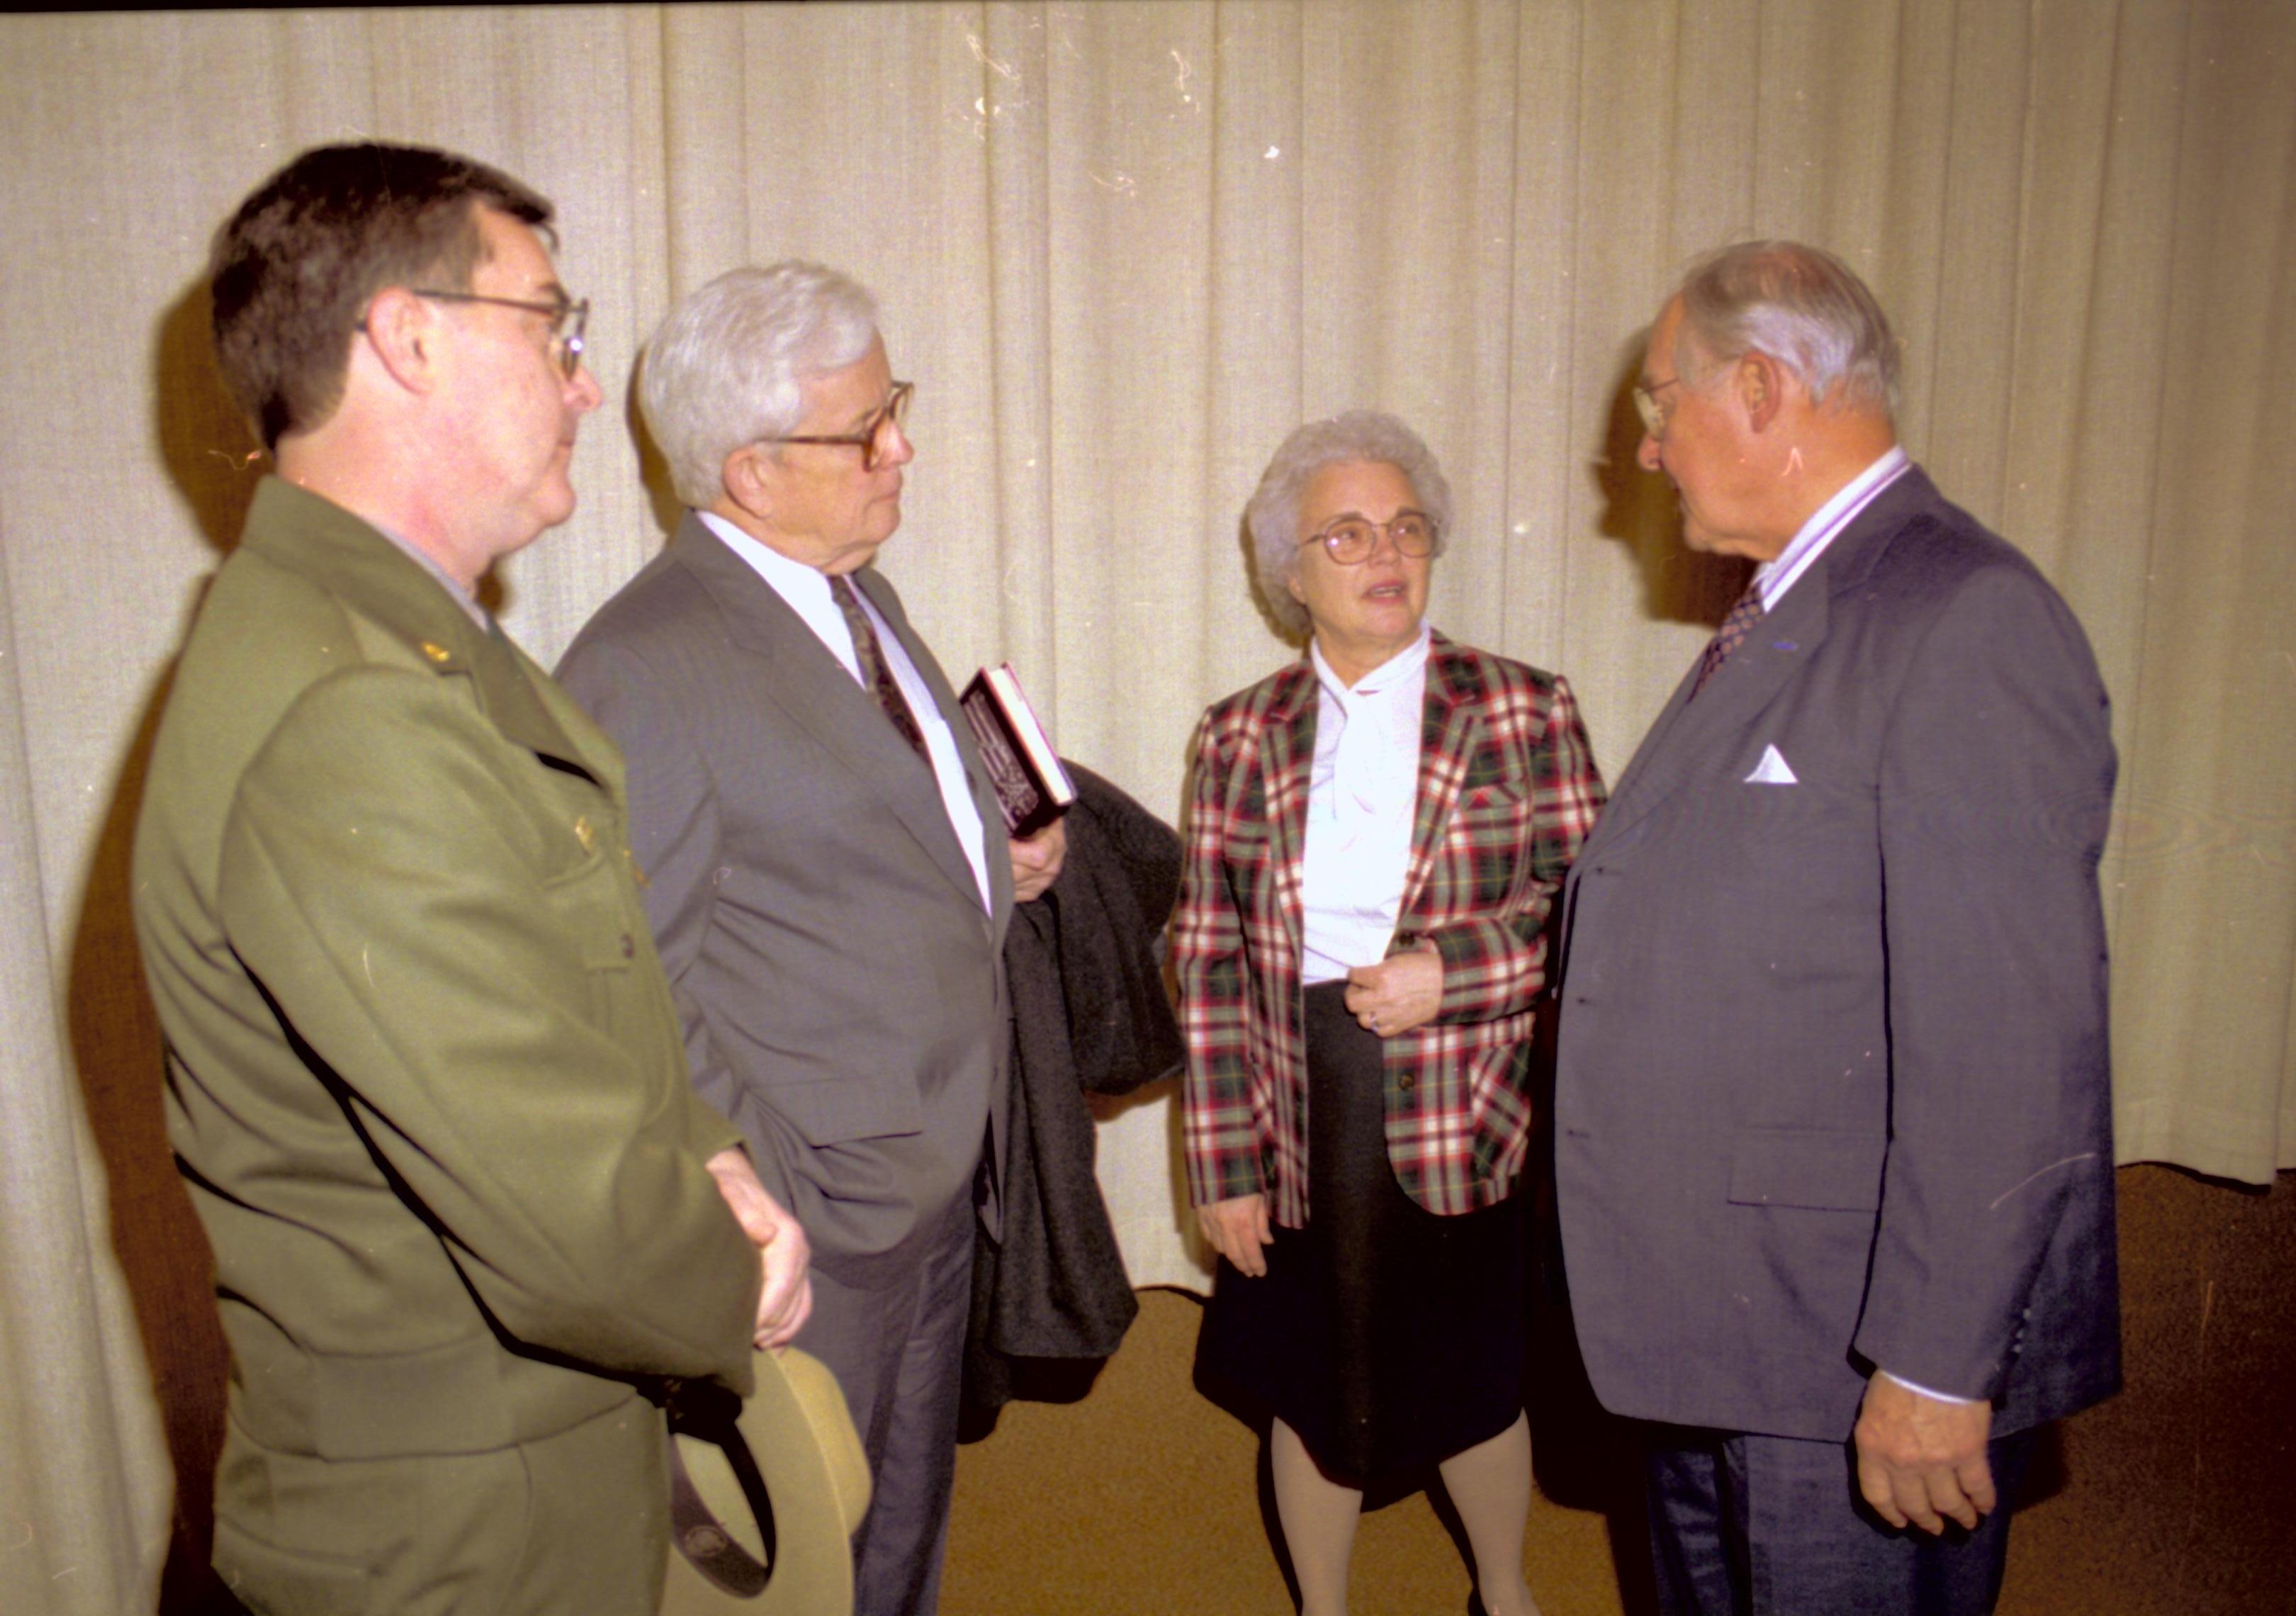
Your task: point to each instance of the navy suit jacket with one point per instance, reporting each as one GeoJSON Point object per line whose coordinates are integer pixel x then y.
{"type": "Point", "coordinates": [1832, 1088]}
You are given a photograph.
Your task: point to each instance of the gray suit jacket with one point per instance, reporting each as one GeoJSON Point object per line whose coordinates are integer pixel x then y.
{"type": "Point", "coordinates": [840, 982]}
{"type": "Point", "coordinates": [1832, 1086]}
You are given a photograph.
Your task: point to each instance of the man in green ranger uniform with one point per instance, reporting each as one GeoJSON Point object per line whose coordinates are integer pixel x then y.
{"type": "Point", "coordinates": [424, 1078]}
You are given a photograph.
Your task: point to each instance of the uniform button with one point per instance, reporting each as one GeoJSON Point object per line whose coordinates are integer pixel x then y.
{"type": "Point", "coordinates": [630, 946]}
{"type": "Point", "coordinates": [1407, 1082]}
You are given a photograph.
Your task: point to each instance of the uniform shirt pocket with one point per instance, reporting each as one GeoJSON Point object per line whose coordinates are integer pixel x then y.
{"type": "Point", "coordinates": [587, 905]}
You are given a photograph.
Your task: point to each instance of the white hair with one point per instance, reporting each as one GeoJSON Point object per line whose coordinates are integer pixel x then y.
{"type": "Point", "coordinates": [1367, 437]}
{"type": "Point", "coordinates": [1801, 305]}
{"type": "Point", "coordinates": [728, 366]}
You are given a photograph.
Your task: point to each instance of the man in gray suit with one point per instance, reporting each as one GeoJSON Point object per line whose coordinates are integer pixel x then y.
{"type": "Point", "coordinates": [1834, 1144]}
{"type": "Point", "coordinates": [829, 878]}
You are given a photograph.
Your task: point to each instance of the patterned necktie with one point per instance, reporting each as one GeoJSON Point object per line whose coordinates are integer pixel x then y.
{"type": "Point", "coordinates": [1729, 636]}
{"type": "Point", "coordinates": [874, 671]}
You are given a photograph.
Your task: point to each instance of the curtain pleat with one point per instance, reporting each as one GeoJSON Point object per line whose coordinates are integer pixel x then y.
{"type": "Point", "coordinates": [1122, 249]}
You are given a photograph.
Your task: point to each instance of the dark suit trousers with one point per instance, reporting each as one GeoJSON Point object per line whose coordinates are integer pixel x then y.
{"type": "Point", "coordinates": [898, 1351]}
{"type": "Point", "coordinates": [1746, 1525]}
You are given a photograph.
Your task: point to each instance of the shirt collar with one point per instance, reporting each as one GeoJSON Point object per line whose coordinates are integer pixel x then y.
{"type": "Point", "coordinates": [465, 598]}
{"type": "Point", "coordinates": [1776, 576]}
{"type": "Point", "coordinates": [1402, 665]}
{"type": "Point", "coordinates": [793, 580]}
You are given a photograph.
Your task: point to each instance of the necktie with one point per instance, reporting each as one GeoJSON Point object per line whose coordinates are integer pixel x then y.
{"type": "Point", "coordinates": [1729, 636]}
{"type": "Point", "coordinates": [874, 671]}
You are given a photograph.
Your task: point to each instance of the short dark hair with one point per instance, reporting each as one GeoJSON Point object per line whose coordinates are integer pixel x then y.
{"type": "Point", "coordinates": [292, 271]}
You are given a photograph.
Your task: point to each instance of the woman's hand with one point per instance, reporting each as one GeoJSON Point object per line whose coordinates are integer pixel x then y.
{"type": "Point", "coordinates": [1402, 991]}
{"type": "Point", "coordinates": [1238, 1230]}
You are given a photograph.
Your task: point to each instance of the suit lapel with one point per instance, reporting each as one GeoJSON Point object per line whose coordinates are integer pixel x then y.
{"type": "Point", "coordinates": [1447, 740]}
{"type": "Point", "coordinates": [811, 688]}
{"type": "Point", "coordinates": [1288, 736]}
{"type": "Point", "coordinates": [588, 746]}
{"type": "Point", "coordinates": [1688, 738]}
{"type": "Point", "coordinates": [968, 750]}
{"type": "Point", "coordinates": [516, 696]}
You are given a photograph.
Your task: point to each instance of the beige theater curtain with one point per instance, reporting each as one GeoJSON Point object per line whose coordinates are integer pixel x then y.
{"type": "Point", "coordinates": [1122, 249]}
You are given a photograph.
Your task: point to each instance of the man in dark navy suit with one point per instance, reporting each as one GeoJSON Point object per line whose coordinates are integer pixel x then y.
{"type": "Point", "coordinates": [1833, 1125]}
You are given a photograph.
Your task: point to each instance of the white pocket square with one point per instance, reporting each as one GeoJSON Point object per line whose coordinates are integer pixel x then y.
{"type": "Point", "coordinates": [1772, 769]}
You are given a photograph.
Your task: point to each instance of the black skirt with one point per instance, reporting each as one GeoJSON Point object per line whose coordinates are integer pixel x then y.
{"type": "Point", "coordinates": [1388, 1337]}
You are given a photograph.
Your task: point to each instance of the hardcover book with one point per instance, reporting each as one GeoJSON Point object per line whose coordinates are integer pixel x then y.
{"type": "Point", "coordinates": [1031, 786]}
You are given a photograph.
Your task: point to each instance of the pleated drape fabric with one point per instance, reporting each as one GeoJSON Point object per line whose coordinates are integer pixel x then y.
{"type": "Point", "coordinates": [1123, 249]}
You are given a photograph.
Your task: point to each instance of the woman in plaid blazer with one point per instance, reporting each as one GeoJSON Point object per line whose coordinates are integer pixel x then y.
{"type": "Point", "coordinates": [1376, 832]}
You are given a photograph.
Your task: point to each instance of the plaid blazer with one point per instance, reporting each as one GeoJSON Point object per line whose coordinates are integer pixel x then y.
{"type": "Point", "coordinates": [1507, 791]}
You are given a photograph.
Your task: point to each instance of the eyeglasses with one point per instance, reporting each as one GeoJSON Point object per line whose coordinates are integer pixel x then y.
{"type": "Point", "coordinates": [568, 344]}
{"type": "Point", "coordinates": [1351, 540]}
{"type": "Point", "coordinates": [870, 440]}
{"type": "Point", "coordinates": [1646, 405]}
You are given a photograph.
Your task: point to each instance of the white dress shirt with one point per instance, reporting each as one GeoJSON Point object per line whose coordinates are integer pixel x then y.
{"type": "Point", "coordinates": [806, 590]}
{"type": "Point", "coordinates": [1362, 790]}
{"type": "Point", "coordinates": [1775, 576]}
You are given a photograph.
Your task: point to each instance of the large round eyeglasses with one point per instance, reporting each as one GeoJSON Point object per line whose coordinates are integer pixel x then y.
{"type": "Point", "coordinates": [869, 436]}
{"type": "Point", "coordinates": [1351, 540]}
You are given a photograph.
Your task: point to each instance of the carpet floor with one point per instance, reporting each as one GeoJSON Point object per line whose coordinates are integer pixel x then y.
{"type": "Point", "coordinates": [1143, 1499]}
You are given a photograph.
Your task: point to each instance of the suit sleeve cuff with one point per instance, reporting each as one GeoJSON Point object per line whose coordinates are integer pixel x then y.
{"type": "Point", "coordinates": [1942, 1397]}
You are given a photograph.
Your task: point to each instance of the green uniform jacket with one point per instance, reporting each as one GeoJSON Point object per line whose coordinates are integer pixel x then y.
{"type": "Point", "coordinates": [424, 1077]}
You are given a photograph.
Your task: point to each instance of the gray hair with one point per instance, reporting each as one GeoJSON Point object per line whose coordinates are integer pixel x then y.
{"type": "Point", "coordinates": [728, 365]}
{"type": "Point", "coordinates": [1273, 516]}
{"type": "Point", "coordinates": [1801, 305]}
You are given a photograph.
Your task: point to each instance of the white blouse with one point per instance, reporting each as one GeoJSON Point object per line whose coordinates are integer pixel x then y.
{"type": "Point", "coordinates": [1361, 793]}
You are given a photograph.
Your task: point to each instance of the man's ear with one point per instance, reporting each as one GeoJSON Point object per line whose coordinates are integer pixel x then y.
{"type": "Point", "coordinates": [1761, 387]}
{"type": "Point", "coordinates": [747, 475]}
{"type": "Point", "coordinates": [401, 331]}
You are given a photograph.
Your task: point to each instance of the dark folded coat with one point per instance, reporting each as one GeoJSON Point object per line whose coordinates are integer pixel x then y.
{"type": "Point", "coordinates": [1089, 1012]}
